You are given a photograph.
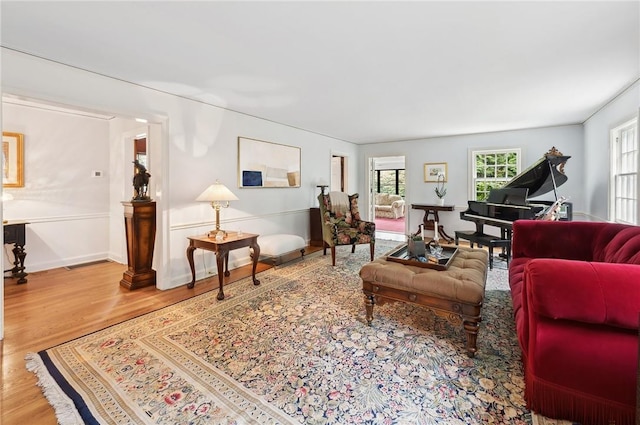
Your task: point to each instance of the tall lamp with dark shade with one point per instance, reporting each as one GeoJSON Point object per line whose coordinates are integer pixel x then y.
{"type": "Point", "coordinates": [219, 196]}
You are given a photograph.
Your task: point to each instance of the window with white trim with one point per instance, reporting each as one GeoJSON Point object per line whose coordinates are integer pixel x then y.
{"type": "Point", "coordinates": [623, 182]}
{"type": "Point", "coordinates": [492, 169]}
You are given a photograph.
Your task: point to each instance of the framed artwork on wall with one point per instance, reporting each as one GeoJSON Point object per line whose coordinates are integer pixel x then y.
{"type": "Point", "coordinates": [12, 159]}
{"type": "Point", "coordinates": [433, 169]}
{"type": "Point", "coordinates": [267, 164]}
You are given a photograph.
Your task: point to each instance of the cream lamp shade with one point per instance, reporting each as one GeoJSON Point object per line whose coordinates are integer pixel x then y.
{"type": "Point", "coordinates": [219, 196]}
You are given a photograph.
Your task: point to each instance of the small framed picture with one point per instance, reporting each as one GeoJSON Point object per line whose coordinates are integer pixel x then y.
{"type": "Point", "coordinates": [433, 169]}
{"type": "Point", "coordinates": [12, 159]}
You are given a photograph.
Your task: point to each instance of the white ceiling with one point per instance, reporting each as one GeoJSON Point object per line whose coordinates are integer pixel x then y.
{"type": "Point", "coordinates": [363, 71]}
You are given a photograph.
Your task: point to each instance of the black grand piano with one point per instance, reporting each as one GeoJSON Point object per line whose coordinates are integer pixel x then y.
{"type": "Point", "coordinates": [511, 202]}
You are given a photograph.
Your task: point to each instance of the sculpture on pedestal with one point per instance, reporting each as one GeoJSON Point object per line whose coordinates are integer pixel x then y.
{"type": "Point", "coordinates": [140, 182]}
{"type": "Point", "coordinates": [140, 228]}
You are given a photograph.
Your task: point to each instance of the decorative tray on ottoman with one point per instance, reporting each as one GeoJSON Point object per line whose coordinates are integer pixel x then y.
{"type": "Point", "coordinates": [442, 262]}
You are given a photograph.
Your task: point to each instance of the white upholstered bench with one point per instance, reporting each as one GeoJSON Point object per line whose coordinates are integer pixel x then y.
{"type": "Point", "coordinates": [279, 248]}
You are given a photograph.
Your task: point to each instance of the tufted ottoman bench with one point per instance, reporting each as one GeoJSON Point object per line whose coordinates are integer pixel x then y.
{"type": "Point", "coordinates": [455, 294]}
{"type": "Point", "coordinates": [279, 248]}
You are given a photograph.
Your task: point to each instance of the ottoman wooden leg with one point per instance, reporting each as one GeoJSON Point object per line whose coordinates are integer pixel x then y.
{"type": "Point", "coordinates": [471, 329]}
{"type": "Point", "coordinates": [368, 304]}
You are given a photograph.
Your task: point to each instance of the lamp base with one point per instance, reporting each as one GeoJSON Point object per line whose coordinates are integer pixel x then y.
{"type": "Point", "coordinates": [224, 234]}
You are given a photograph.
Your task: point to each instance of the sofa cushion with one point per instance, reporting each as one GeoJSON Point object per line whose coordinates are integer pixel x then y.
{"type": "Point", "coordinates": [394, 198]}
{"type": "Point", "coordinates": [624, 247]}
{"type": "Point", "coordinates": [596, 293]}
{"type": "Point", "coordinates": [516, 277]}
{"type": "Point", "coordinates": [382, 199]}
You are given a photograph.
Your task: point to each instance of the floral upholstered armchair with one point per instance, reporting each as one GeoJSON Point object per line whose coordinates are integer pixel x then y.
{"type": "Point", "coordinates": [341, 223]}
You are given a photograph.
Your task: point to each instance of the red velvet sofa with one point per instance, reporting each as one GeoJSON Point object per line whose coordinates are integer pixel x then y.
{"type": "Point", "coordinates": [576, 298]}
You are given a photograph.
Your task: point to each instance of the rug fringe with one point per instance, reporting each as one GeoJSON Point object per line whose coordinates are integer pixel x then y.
{"type": "Point", "coordinates": [64, 408]}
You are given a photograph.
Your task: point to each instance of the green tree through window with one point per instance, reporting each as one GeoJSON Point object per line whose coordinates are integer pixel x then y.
{"type": "Point", "coordinates": [493, 169]}
{"type": "Point", "coordinates": [390, 181]}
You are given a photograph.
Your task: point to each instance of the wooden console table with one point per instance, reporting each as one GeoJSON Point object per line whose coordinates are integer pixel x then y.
{"type": "Point", "coordinates": [15, 233]}
{"type": "Point", "coordinates": [433, 210]}
{"type": "Point", "coordinates": [222, 248]}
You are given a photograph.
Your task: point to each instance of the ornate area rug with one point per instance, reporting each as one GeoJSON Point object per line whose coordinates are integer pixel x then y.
{"type": "Point", "coordinates": [295, 349]}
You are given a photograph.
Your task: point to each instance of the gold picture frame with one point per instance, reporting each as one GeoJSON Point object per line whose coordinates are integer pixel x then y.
{"type": "Point", "coordinates": [12, 159]}
{"type": "Point", "coordinates": [433, 169]}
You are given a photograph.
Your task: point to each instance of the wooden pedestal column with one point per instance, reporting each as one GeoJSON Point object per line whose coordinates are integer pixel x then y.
{"type": "Point", "coordinates": [140, 226]}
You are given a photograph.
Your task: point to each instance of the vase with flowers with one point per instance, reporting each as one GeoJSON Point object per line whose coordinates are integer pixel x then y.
{"type": "Point", "coordinates": [441, 191]}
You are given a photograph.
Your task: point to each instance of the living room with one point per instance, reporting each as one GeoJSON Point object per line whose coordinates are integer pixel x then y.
{"type": "Point", "coordinates": [76, 122]}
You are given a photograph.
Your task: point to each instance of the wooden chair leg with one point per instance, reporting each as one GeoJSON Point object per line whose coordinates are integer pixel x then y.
{"type": "Point", "coordinates": [353, 248]}
{"type": "Point", "coordinates": [333, 255]}
{"type": "Point", "coordinates": [372, 248]}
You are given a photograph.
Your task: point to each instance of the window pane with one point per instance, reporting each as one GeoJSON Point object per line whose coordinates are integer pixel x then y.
{"type": "Point", "coordinates": [493, 169]}
{"type": "Point", "coordinates": [388, 181]}
{"type": "Point", "coordinates": [391, 181]}
{"type": "Point", "coordinates": [624, 174]}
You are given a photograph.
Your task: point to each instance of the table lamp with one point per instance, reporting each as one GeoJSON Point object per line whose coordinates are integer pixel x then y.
{"type": "Point", "coordinates": [219, 196]}
{"type": "Point", "coordinates": [322, 185]}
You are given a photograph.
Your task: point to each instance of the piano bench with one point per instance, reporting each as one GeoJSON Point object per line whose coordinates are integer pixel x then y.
{"type": "Point", "coordinates": [490, 241]}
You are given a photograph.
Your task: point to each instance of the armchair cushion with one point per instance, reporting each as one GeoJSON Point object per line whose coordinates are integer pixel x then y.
{"type": "Point", "coordinates": [345, 228]}
{"type": "Point", "coordinates": [388, 205]}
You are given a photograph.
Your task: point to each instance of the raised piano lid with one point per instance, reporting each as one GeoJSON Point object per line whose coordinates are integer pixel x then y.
{"type": "Point", "coordinates": [538, 178]}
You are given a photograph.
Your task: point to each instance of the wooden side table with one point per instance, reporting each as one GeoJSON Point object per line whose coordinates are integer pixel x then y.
{"type": "Point", "coordinates": [221, 248]}
{"type": "Point", "coordinates": [429, 224]}
{"type": "Point", "coordinates": [15, 233]}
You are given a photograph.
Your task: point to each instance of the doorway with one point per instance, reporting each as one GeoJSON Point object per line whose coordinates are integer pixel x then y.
{"type": "Point", "coordinates": [388, 184]}
{"type": "Point", "coordinates": [338, 173]}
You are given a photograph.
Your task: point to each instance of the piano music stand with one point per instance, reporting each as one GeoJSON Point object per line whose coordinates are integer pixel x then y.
{"type": "Point", "coordinates": [429, 224]}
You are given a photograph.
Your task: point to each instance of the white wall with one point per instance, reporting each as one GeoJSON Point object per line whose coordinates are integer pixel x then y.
{"type": "Point", "coordinates": [67, 208]}
{"type": "Point", "coordinates": [596, 146]}
{"type": "Point", "coordinates": [455, 152]}
{"type": "Point", "coordinates": [199, 145]}
{"type": "Point", "coordinates": [198, 159]}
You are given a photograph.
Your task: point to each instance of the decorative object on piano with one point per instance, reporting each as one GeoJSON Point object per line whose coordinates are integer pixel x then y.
{"type": "Point", "coordinates": [432, 170]}
{"type": "Point", "coordinates": [553, 212]}
{"type": "Point", "coordinates": [140, 183]}
{"type": "Point", "coordinates": [219, 196]}
{"type": "Point", "coordinates": [440, 190]}
{"type": "Point", "coordinates": [12, 159]}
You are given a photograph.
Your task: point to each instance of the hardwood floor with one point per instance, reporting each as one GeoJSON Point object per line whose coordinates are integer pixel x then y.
{"type": "Point", "coordinates": [62, 304]}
